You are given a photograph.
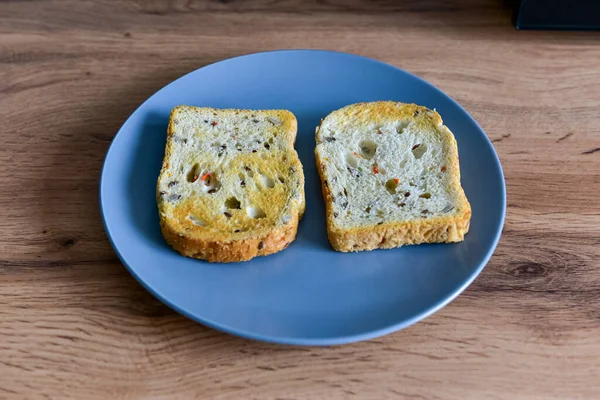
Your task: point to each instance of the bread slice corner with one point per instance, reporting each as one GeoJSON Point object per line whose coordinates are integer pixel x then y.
{"type": "Point", "coordinates": [390, 177]}
{"type": "Point", "coordinates": [231, 186]}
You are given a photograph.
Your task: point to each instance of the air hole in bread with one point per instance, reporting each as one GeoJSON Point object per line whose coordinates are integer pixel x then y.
{"type": "Point", "coordinates": [281, 179]}
{"type": "Point", "coordinates": [274, 121]}
{"type": "Point", "coordinates": [255, 212]}
{"type": "Point", "coordinates": [194, 173]}
{"type": "Point", "coordinates": [391, 185]}
{"type": "Point", "coordinates": [249, 171]}
{"type": "Point", "coordinates": [351, 160]}
{"type": "Point", "coordinates": [425, 195]}
{"type": "Point", "coordinates": [210, 182]}
{"type": "Point", "coordinates": [448, 208]}
{"type": "Point", "coordinates": [267, 145]}
{"type": "Point", "coordinates": [267, 182]}
{"type": "Point", "coordinates": [174, 197]}
{"type": "Point", "coordinates": [233, 203]}
{"type": "Point", "coordinates": [367, 148]}
{"type": "Point", "coordinates": [400, 128]}
{"type": "Point", "coordinates": [196, 220]}
{"type": "Point", "coordinates": [221, 148]}
{"type": "Point", "coordinates": [418, 150]}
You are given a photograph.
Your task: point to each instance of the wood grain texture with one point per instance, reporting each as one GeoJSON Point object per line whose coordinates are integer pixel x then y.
{"type": "Point", "coordinates": [74, 324]}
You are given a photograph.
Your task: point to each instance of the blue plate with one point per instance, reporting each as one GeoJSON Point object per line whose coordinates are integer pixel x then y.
{"type": "Point", "coordinates": [307, 294]}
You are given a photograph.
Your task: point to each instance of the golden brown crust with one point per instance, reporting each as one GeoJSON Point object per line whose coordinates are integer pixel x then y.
{"type": "Point", "coordinates": [231, 250]}
{"type": "Point", "coordinates": [259, 236]}
{"type": "Point", "coordinates": [442, 229]}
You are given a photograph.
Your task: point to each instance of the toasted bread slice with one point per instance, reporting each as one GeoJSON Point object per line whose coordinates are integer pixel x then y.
{"type": "Point", "coordinates": [231, 186]}
{"type": "Point", "coordinates": [390, 176]}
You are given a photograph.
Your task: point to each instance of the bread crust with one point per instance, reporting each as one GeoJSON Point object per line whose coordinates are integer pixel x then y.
{"type": "Point", "coordinates": [217, 245]}
{"type": "Point", "coordinates": [223, 251]}
{"type": "Point", "coordinates": [387, 235]}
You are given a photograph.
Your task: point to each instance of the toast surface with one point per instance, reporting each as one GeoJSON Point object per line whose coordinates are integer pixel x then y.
{"type": "Point", "coordinates": [390, 177]}
{"type": "Point", "coordinates": [231, 185]}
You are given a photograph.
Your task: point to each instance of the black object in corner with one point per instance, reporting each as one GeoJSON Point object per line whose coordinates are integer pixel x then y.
{"type": "Point", "coordinates": [558, 14]}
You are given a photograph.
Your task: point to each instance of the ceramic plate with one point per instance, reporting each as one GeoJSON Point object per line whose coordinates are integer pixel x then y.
{"type": "Point", "coordinates": [307, 294]}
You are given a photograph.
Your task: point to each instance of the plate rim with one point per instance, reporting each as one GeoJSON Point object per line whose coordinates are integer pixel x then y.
{"type": "Point", "coordinates": [303, 341]}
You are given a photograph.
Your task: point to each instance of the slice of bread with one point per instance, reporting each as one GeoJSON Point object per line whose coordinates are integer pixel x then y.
{"type": "Point", "coordinates": [390, 176]}
{"type": "Point", "coordinates": [231, 185]}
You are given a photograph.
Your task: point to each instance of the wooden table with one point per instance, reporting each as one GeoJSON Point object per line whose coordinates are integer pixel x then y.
{"type": "Point", "coordinates": [75, 324]}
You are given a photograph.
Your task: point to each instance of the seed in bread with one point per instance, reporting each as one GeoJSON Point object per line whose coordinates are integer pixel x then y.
{"type": "Point", "coordinates": [231, 186]}
{"type": "Point", "coordinates": [390, 176]}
